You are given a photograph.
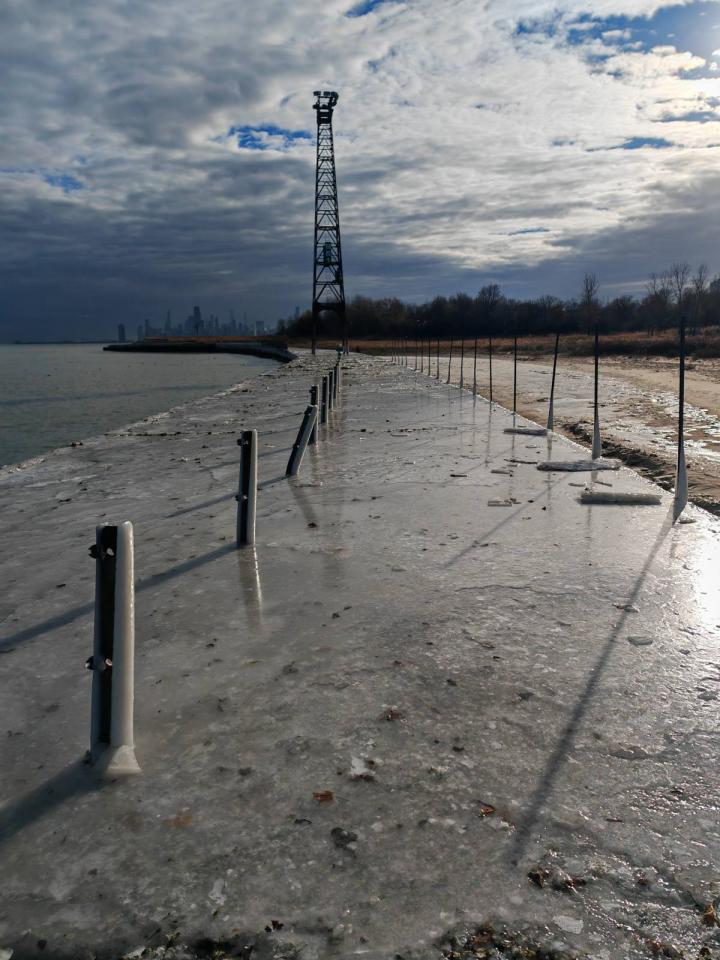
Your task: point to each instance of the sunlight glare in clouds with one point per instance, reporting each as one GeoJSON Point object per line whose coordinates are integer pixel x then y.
{"type": "Point", "coordinates": [190, 131]}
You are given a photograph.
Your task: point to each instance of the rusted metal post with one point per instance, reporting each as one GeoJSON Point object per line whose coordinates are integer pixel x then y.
{"type": "Point", "coordinates": [450, 359]}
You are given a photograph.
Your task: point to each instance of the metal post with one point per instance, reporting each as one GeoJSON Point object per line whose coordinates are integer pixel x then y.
{"type": "Point", "coordinates": [416, 356]}
{"type": "Point", "coordinates": [515, 375]}
{"type": "Point", "coordinates": [597, 444]}
{"type": "Point", "coordinates": [475, 367]}
{"type": "Point", "coordinates": [112, 745]}
{"type": "Point", "coordinates": [429, 357]}
{"type": "Point", "coordinates": [303, 438]}
{"type": "Point", "coordinates": [462, 362]}
{"type": "Point", "coordinates": [421, 348]}
{"type": "Point", "coordinates": [313, 403]}
{"type": "Point", "coordinates": [450, 359]}
{"type": "Point", "coordinates": [247, 488]}
{"type": "Point", "coordinates": [331, 389]}
{"type": "Point", "coordinates": [490, 358]}
{"type": "Point", "coordinates": [681, 482]}
{"type": "Point", "coordinates": [438, 360]}
{"type": "Point", "coordinates": [550, 420]}
{"type": "Point", "coordinates": [336, 379]}
{"type": "Point", "coordinates": [324, 400]}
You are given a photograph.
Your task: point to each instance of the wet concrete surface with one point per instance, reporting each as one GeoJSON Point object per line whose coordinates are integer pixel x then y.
{"type": "Point", "coordinates": [403, 712]}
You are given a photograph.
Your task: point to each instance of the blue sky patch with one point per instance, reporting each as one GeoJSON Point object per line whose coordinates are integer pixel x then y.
{"type": "Point", "coordinates": [365, 6]}
{"type": "Point", "coordinates": [544, 27]}
{"type": "Point", "coordinates": [688, 28]}
{"type": "Point", "coordinates": [63, 181]}
{"type": "Point", "coordinates": [637, 143]}
{"type": "Point", "coordinates": [254, 138]}
{"type": "Point", "coordinates": [692, 28]}
{"type": "Point", "coordinates": [527, 230]}
{"type": "Point", "coordinates": [692, 116]}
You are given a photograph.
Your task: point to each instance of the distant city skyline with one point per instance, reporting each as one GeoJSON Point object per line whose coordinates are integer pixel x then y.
{"type": "Point", "coordinates": [512, 142]}
{"type": "Point", "coordinates": [194, 324]}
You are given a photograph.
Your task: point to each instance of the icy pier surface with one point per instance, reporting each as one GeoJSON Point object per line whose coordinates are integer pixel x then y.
{"type": "Point", "coordinates": [440, 692]}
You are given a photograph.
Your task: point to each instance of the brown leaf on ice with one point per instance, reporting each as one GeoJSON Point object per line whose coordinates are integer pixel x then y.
{"type": "Point", "coordinates": [659, 948]}
{"type": "Point", "coordinates": [710, 917]}
{"type": "Point", "coordinates": [486, 809]}
{"type": "Point", "coordinates": [539, 876]}
{"type": "Point", "coordinates": [323, 796]}
{"type": "Point", "coordinates": [179, 820]}
{"type": "Point", "coordinates": [392, 714]}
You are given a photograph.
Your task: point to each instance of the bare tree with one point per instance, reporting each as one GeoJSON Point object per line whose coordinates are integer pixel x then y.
{"type": "Point", "coordinates": [659, 298]}
{"type": "Point", "coordinates": [679, 275]}
{"type": "Point", "coordinates": [588, 297]}
{"type": "Point", "coordinates": [660, 286]}
{"type": "Point", "coordinates": [700, 292]}
{"type": "Point", "coordinates": [488, 299]}
{"type": "Point", "coordinates": [590, 288]}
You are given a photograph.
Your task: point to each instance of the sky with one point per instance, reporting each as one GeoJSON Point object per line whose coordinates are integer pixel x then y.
{"type": "Point", "coordinates": [158, 155]}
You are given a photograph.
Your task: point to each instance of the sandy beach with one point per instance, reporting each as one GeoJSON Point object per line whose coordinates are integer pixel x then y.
{"type": "Point", "coordinates": [638, 397]}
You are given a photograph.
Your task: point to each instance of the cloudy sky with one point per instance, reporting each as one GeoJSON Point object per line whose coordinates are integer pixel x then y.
{"type": "Point", "coordinates": [157, 155]}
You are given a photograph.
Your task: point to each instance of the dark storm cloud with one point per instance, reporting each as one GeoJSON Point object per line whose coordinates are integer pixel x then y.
{"type": "Point", "coordinates": [125, 193]}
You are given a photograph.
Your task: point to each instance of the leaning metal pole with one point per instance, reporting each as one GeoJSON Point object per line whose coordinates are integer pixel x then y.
{"type": "Point", "coordinates": [328, 283]}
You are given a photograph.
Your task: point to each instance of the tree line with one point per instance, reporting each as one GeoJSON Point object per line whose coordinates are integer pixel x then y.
{"type": "Point", "coordinates": [678, 290]}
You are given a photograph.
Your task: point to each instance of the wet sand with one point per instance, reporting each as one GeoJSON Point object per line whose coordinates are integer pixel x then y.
{"type": "Point", "coordinates": [638, 409]}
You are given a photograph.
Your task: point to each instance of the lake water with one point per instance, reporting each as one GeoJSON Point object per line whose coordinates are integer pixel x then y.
{"type": "Point", "coordinates": [51, 395]}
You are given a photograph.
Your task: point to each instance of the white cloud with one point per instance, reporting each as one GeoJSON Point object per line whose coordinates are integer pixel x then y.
{"type": "Point", "coordinates": [452, 132]}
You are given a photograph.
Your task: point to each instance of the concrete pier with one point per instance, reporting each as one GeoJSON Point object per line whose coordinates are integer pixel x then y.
{"type": "Point", "coordinates": [438, 693]}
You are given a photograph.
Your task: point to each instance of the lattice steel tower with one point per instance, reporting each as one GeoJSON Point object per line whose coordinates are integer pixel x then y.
{"type": "Point", "coordinates": [328, 285]}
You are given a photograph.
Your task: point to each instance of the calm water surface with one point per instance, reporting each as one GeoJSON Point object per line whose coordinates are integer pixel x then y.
{"type": "Point", "coordinates": [52, 395]}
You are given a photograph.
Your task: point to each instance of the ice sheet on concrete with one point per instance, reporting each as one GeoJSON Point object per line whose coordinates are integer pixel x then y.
{"type": "Point", "coordinates": [403, 712]}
